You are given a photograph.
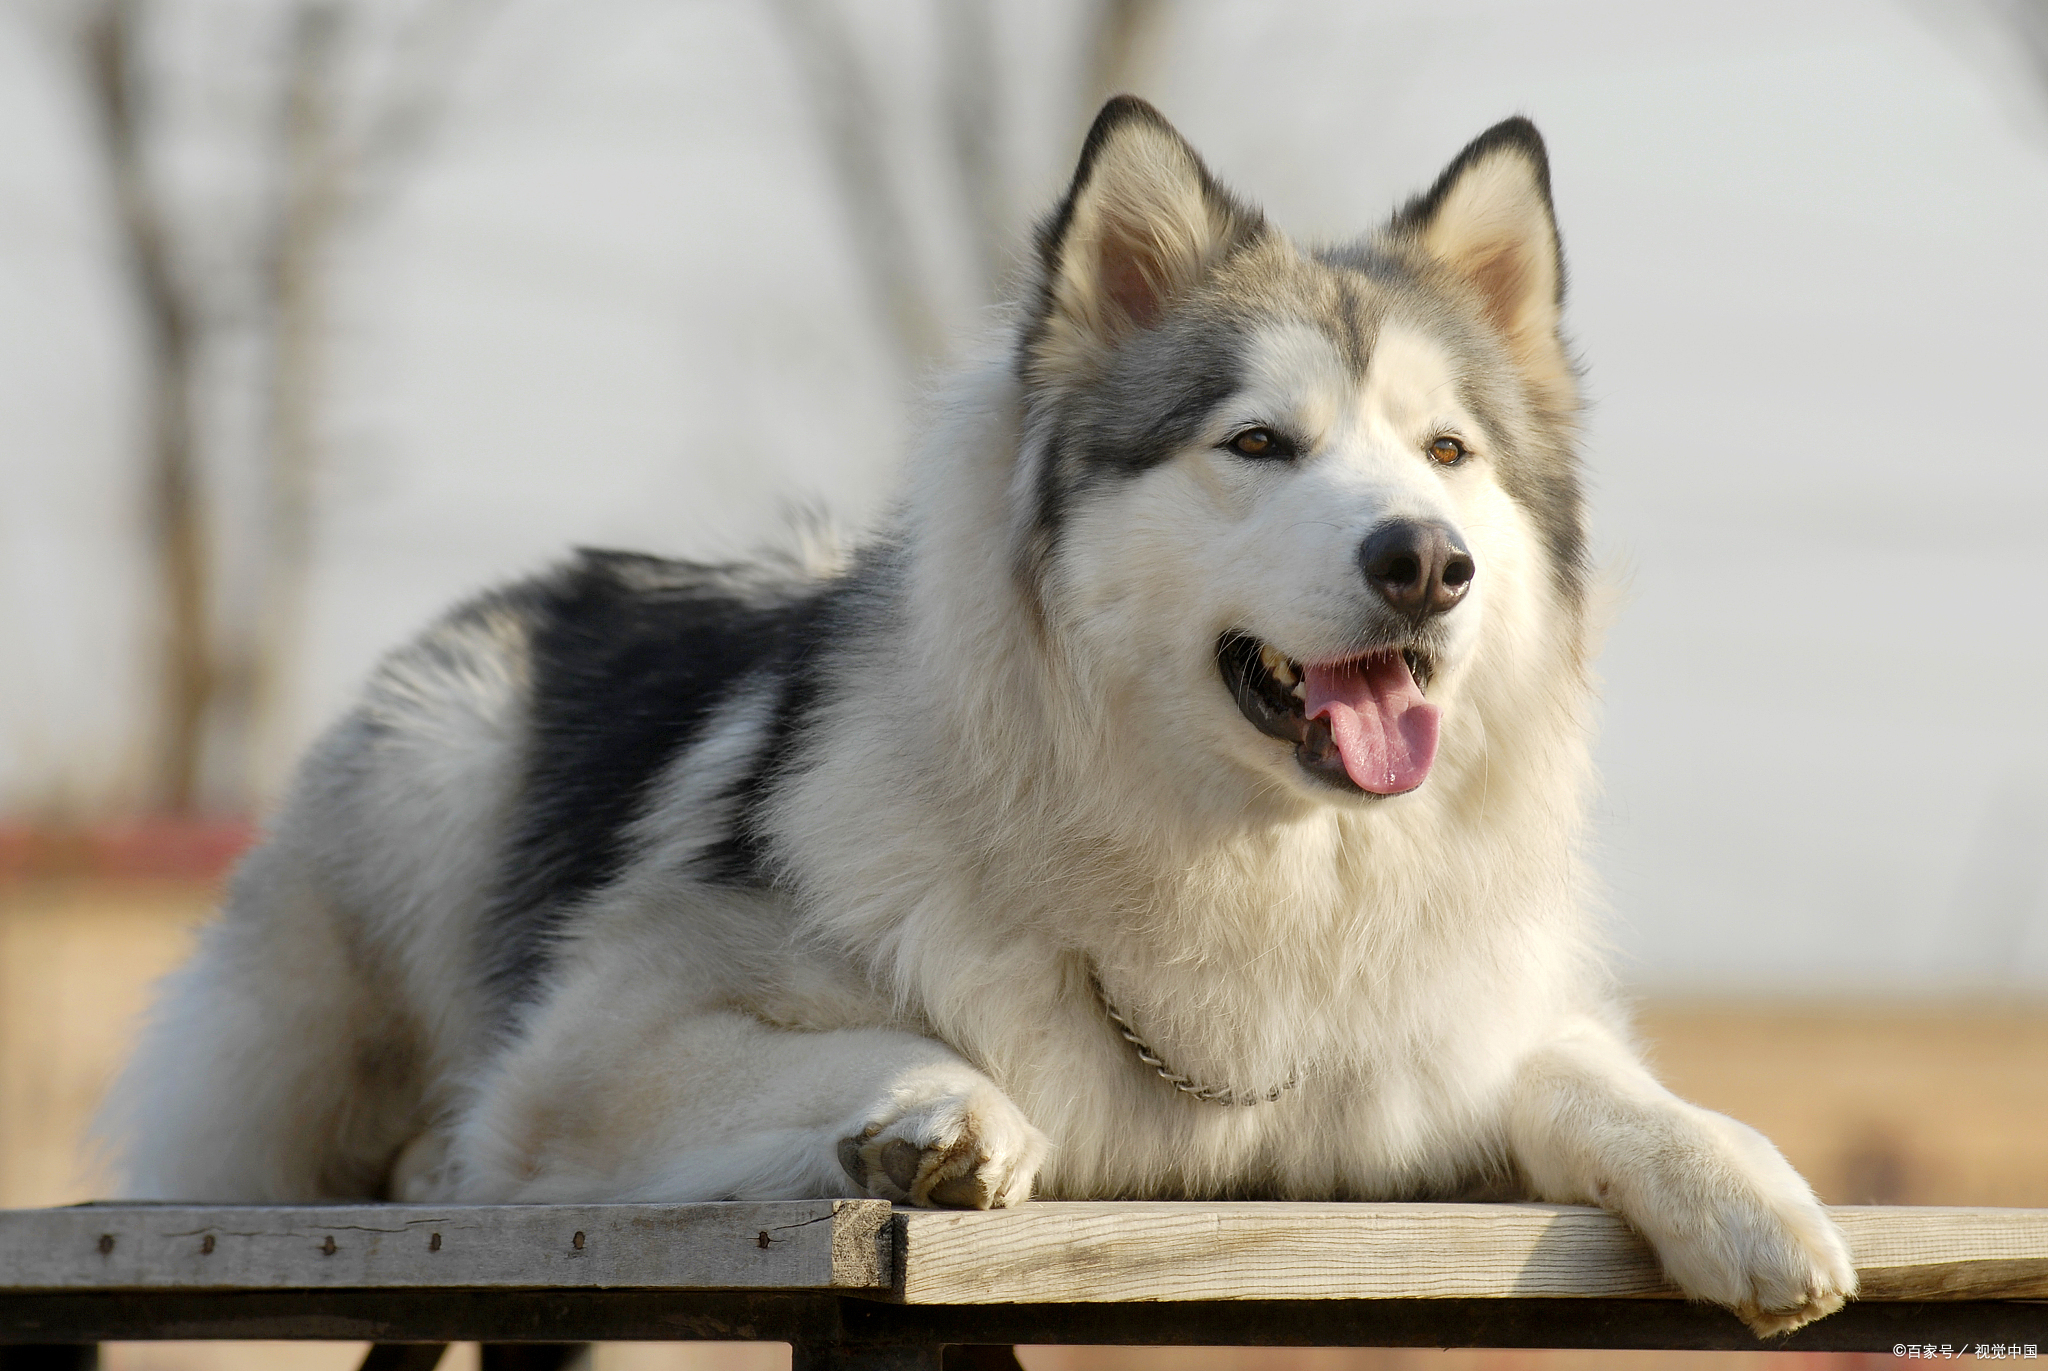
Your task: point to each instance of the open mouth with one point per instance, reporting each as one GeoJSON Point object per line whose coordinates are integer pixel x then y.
{"type": "Point", "coordinates": [1357, 723]}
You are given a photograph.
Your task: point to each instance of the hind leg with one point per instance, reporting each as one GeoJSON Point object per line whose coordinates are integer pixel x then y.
{"type": "Point", "coordinates": [271, 1069]}
{"type": "Point", "coordinates": [629, 1096]}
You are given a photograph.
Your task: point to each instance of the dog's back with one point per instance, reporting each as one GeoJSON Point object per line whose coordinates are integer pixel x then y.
{"type": "Point", "coordinates": [396, 920]}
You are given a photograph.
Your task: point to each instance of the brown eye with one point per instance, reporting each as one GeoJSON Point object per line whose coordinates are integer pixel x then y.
{"type": "Point", "coordinates": [1261, 442]}
{"type": "Point", "coordinates": [1448, 451]}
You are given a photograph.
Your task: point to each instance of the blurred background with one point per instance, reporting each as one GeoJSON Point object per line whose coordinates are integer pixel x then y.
{"type": "Point", "coordinates": [317, 315]}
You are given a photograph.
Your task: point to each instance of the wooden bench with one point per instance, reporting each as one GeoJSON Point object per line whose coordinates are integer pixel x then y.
{"type": "Point", "coordinates": [855, 1283]}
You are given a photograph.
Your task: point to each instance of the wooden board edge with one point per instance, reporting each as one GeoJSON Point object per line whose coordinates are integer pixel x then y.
{"type": "Point", "coordinates": [1884, 1279]}
{"type": "Point", "coordinates": [955, 1277]}
{"type": "Point", "coordinates": [864, 1245]}
{"type": "Point", "coordinates": [852, 1251]}
{"type": "Point", "coordinates": [1992, 1278]}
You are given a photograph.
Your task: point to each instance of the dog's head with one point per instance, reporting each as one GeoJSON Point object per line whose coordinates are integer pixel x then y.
{"type": "Point", "coordinates": [1281, 502]}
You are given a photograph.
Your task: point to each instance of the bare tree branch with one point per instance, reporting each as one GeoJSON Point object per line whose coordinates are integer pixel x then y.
{"type": "Point", "coordinates": [2000, 40]}
{"type": "Point", "coordinates": [311, 200]}
{"type": "Point", "coordinates": [973, 104]}
{"type": "Point", "coordinates": [407, 116]}
{"type": "Point", "coordinates": [341, 146]}
{"type": "Point", "coordinates": [2029, 22]}
{"type": "Point", "coordinates": [850, 129]}
{"type": "Point", "coordinates": [338, 159]}
{"type": "Point", "coordinates": [177, 529]}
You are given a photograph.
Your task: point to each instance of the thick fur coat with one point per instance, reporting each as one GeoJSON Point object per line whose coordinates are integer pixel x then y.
{"type": "Point", "coordinates": [1180, 796]}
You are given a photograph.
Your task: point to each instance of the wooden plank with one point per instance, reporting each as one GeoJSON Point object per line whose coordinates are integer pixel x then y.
{"type": "Point", "coordinates": [791, 1245]}
{"type": "Point", "coordinates": [1103, 1252]}
{"type": "Point", "coordinates": [1927, 1253]}
{"type": "Point", "coordinates": [1042, 1253]}
{"type": "Point", "coordinates": [1090, 1252]}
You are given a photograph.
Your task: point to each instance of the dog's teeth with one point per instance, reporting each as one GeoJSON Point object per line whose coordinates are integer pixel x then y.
{"type": "Point", "coordinates": [1276, 662]}
{"type": "Point", "coordinates": [1300, 692]}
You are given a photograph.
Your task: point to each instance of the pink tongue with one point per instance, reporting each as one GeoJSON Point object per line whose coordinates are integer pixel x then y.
{"type": "Point", "coordinates": [1383, 728]}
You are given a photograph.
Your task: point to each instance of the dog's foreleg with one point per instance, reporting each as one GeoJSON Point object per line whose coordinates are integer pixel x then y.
{"type": "Point", "coordinates": [1730, 1219]}
{"type": "Point", "coordinates": [719, 1105]}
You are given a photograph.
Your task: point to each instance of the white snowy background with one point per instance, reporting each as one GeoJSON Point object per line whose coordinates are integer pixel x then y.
{"type": "Point", "coordinates": [616, 304]}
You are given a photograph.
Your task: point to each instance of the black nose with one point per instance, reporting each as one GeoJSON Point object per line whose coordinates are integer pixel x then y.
{"type": "Point", "coordinates": [1418, 568]}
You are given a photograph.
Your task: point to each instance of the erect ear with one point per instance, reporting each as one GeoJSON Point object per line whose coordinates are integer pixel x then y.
{"type": "Point", "coordinates": [1488, 218]}
{"type": "Point", "coordinates": [1142, 223]}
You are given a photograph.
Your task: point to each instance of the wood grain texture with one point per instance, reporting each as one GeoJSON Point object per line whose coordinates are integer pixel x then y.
{"type": "Point", "coordinates": [1915, 1253]}
{"type": "Point", "coordinates": [1042, 1253]}
{"type": "Point", "coordinates": [1077, 1252]}
{"type": "Point", "coordinates": [793, 1245]}
{"type": "Point", "coordinates": [1097, 1252]}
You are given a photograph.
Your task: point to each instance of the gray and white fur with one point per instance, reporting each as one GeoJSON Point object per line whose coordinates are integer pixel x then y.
{"type": "Point", "coordinates": [648, 880]}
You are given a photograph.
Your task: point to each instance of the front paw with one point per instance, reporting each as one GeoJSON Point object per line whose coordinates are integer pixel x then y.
{"type": "Point", "coordinates": [1733, 1223]}
{"type": "Point", "coordinates": [1791, 1268]}
{"type": "Point", "coordinates": [945, 1137]}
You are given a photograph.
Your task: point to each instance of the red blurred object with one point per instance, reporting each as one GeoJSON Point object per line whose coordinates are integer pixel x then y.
{"type": "Point", "coordinates": [161, 847]}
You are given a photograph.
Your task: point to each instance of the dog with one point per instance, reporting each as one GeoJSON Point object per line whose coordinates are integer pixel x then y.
{"type": "Point", "coordinates": [1180, 796]}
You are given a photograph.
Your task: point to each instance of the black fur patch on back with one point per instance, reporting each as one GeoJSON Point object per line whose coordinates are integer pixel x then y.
{"type": "Point", "coordinates": [631, 656]}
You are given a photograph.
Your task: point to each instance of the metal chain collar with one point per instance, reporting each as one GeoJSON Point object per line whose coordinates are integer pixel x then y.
{"type": "Point", "coordinates": [1208, 1094]}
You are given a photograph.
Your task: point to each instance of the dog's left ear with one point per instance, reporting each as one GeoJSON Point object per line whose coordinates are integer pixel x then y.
{"type": "Point", "coordinates": [1489, 219]}
{"type": "Point", "coordinates": [1142, 224]}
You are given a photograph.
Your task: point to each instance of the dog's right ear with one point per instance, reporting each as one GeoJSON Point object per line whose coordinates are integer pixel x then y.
{"type": "Point", "coordinates": [1142, 223]}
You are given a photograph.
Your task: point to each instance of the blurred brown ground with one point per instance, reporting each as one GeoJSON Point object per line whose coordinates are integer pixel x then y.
{"type": "Point", "coordinates": [1909, 1102]}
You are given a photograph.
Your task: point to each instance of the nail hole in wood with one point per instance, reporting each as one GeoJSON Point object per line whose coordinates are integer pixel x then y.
{"type": "Point", "coordinates": [106, 1243]}
{"type": "Point", "coordinates": [763, 1240]}
{"type": "Point", "coordinates": [206, 1245]}
{"type": "Point", "coordinates": [434, 1243]}
{"type": "Point", "coordinates": [327, 1248]}
{"type": "Point", "coordinates": [577, 1241]}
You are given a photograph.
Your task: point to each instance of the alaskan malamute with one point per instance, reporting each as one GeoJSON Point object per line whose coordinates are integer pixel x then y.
{"type": "Point", "coordinates": [1180, 796]}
